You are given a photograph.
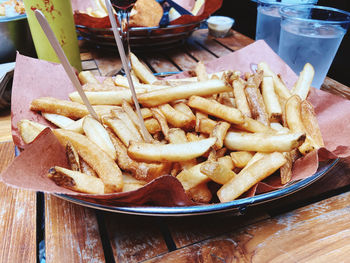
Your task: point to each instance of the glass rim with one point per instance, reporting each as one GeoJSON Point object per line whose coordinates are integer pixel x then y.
{"type": "Point", "coordinates": [284, 14]}
{"type": "Point", "coordinates": [275, 3]}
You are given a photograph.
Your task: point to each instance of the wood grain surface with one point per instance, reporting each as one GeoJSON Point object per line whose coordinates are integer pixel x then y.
{"type": "Point", "coordinates": [17, 217]}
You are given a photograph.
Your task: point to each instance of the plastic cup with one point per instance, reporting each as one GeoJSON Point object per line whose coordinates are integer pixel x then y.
{"type": "Point", "coordinates": [219, 26]}
{"type": "Point", "coordinates": [268, 19]}
{"type": "Point", "coordinates": [311, 34]}
{"type": "Point", "coordinates": [59, 14]}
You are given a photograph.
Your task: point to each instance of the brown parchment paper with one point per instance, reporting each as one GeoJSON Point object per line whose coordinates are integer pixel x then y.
{"type": "Point", "coordinates": [35, 78]}
{"type": "Point", "coordinates": [80, 18]}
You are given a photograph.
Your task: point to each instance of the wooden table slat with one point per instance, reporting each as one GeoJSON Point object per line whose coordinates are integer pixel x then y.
{"type": "Point", "coordinates": [17, 217]}
{"type": "Point", "coordinates": [71, 232]}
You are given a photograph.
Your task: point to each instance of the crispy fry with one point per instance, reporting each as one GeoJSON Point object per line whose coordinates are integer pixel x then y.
{"type": "Point", "coordinates": [161, 120]}
{"type": "Point", "coordinates": [271, 101]}
{"type": "Point", "coordinates": [122, 115]}
{"type": "Point", "coordinates": [241, 158]}
{"type": "Point", "coordinates": [256, 172]}
{"type": "Point", "coordinates": [29, 130]}
{"type": "Point", "coordinates": [104, 165]}
{"type": "Point", "coordinates": [59, 120]}
{"type": "Point", "coordinates": [182, 107]}
{"type": "Point", "coordinates": [162, 96]}
{"type": "Point", "coordinates": [76, 181]}
{"type": "Point", "coordinates": [201, 72]}
{"type": "Point", "coordinates": [192, 177]}
{"type": "Point", "coordinates": [73, 158]}
{"type": "Point", "coordinates": [286, 169]}
{"type": "Point", "coordinates": [77, 126]}
{"type": "Point", "coordinates": [123, 82]}
{"type": "Point", "coordinates": [176, 118]}
{"type": "Point", "coordinates": [302, 86]}
{"type": "Point", "coordinates": [216, 109]}
{"type": "Point", "coordinates": [141, 71]}
{"type": "Point", "coordinates": [200, 193]}
{"type": "Point", "coordinates": [219, 132]}
{"type": "Point", "coordinates": [152, 125]}
{"type": "Point", "coordinates": [241, 99]}
{"type": "Point", "coordinates": [262, 142]}
{"type": "Point", "coordinates": [87, 77]}
{"type": "Point", "coordinates": [169, 152]}
{"type": "Point", "coordinates": [217, 172]}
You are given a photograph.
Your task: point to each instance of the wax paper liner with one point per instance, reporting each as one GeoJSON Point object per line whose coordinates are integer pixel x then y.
{"type": "Point", "coordinates": [79, 6]}
{"type": "Point", "coordinates": [35, 78]}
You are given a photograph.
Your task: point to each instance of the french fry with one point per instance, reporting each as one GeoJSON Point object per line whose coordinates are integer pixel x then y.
{"type": "Point", "coordinates": [77, 126]}
{"type": "Point", "coordinates": [271, 101]}
{"type": "Point", "coordinates": [280, 88]}
{"type": "Point", "coordinates": [29, 130]}
{"type": "Point", "coordinates": [219, 132]}
{"type": "Point", "coordinates": [241, 158]}
{"type": "Point", "coordinates": [255, 99]}
{"type": "Point", "coordinates": [105, 97]}
{"type": "Point", "coordinates": [217, 172]}
{"type": "Point", "coordinates": [158, 97]}
{"type": "Point", "coordinates": [87, 77]}
{"type": "Point", "coordinates": [73, 158]}
{"type": "Point", "coordinates": [141, 71]}
{"type": "Point", "coordinates": [123, 82]}
{"type": "Point", "coordinates": [302, 86]}
{"type": "Point", "coordinates": [152, 126]}
{"type": "Point", "coordinates": [226, 161]}
{"type": "Point", "coordinates": [200, 193]}
{"type": "Point", "coordinates": [59, 120]}
{"type": "Point", "coordinates": [122, 115]}
{"type": "Point", "coordinates": [241, 99]}
{"type": "Point", "coordinates": [253, 174]}
{"type": "Point", "coordinates": [76, 181]}
{"type": "Point", "coordinates": [66, 108]}
{"type": "Point", "coordinates": [95, 131]}
{"type": "Point", "coordinates": [161, 120]}
{"type": "Point", "coordinates": [286, 169]}
{"type": "Point", "coordinates": [169, 152]}
{"type": "Point", "coordinates": [176, 118]}
{"type": "Point", "coordinates": [252, 125]}
{"type": "Point", "coordinates": [262, 142]}
{"type": "Point", "coordinates": [201, 72]}
{"type": "Point", "coordinates": [192, 177]}
{"type": "Point", "coordinates": [206, 125]}
{"type": "Point", "coordinates": [182, 107]}
{"type": "Point", "coordinates": [279, 128]}
{"type": "Point", "coordinates": [131, 184]}
{"type": "Point", "coordinates": [100, 161]}
{"type": "Point", "coordinates": [216, 109]}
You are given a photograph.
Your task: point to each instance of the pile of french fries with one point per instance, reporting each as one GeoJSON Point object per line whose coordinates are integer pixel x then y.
{"type": "Point", "coordinates": [225, 129]}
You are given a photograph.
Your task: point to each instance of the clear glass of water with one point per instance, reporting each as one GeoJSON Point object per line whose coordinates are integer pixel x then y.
{"type": "Point", "coordinates": [268, 19]}
{"type": "Point", "coordinates": [311, 34]}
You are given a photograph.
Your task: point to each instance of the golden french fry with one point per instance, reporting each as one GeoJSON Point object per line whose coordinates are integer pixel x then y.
{"type": "Point", "coordinates": [141, 71]}
{"type": "Point", "coordinates": [123, 82]}
{"type": "Point", "coordinates": [241, 99]}
{"type": "Point", "coordinates": [192, 177]}
{"type": "Point", "coordinates": [271, 101]}
{"type": "Point", "coordinates": [29, 130]}
{"type": "Point", "coordinates": [219, 132]}
{"type": "Point", "coordinates": [158, 97]}
{"type": "Point", "coordinates": [310, 123]}
{"type": "Point", "coordinates": [161, 120]}
{"type": "Point", "coordinates": [279, 128]}
{"type": "Point", "coordinates": [121, 130]}
{"type": "Point", "coordinates": [87, 77]}
{"type": "Point", "coordinates": [192, 136]}
{"type": "Point", "coordinates": [100, 161]}
{"type": "Point", "coordinates": [73, 158]}
{"type": "Point", "coordinates": [280, 88]}
{"type": "Point", "coordinates": [256, 172]}
{"type": "Point", "coordinates": [122, 115]}
{"type": "Point", "coordinates": [252, 125]}
{"type": "Point", "coordinates": [59, 120]}
{"type": "Point", "coordinates": [169, 152]}
{"type": "Point", "coordinates": [176, 118]}
{"type": "Point", "coordinates": [131, 184]}
{"type": "Point", "coordinates": [152, 126]}
{"type": "Point", "coordinates": [177, 135]}
{"type": "Point", "coordinates": [303, 84]}
{"type": "Point", "coordinates": [66, 108]}
{"type": "Point", "coordinates": [77, 126]}
{"type": "Point", "coordinates": [95, 131]}
{"type": "Point", "coordinates": [76, 181]}
{"type": "Point", "coordinates": [146, 113]}
{"type": "Point", "coordinates": [216, 109]}
{"type": "Point", "coordinates": [286, 169]}
{"type": "Point", "coordinates": [255, 99]}
{"type": "Point", "coordinates": [241, 158]}
{"type": "Point", "coordinates": [201, 72]}
{"type": "Point", "coordinates": [200, 193]}
{"type": "Point", "coordinates": [226, 161]}
{"type": "Point", "coordinates": [105, 97]}
{"type": "Point", "coordinates": [262, 142]}
{"type": "Point", "coordinates": [217, 172]}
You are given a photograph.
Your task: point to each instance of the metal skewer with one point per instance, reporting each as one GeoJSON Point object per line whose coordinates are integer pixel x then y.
{"type": "Point", "coordinates": [64, 61]}
{"type": "Point", "coordinates": [147, 137]}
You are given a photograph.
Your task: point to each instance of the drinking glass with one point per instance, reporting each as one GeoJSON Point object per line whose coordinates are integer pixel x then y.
{"type": "Point", "coordinates": [311, 34]}
{"type": "Point", "coordinates": [268, 19]}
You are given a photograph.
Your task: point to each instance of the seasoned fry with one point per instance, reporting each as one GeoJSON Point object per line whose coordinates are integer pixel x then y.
{"type": "Point", "coordinates": [162, 96]}
{"type": "Point", "coordinates": [302, 86]}
{"type": "Point", "coordinates": [271, 101]}
{"type": "Point", "coordinates": [76, 181]}
{"type": "Point", "coordinates": [29, 130]}
{"type": "Point", "coordinates": [216, 109]}
{"type": "Point", "coordinates": [105, 97]}
{"type": "Point", "coordinates": [104, 165]}
{"type": "Point", "coordinates": [141, 71]}
{"type": "Point", "coordinates": [253, 174]}
{"type": "Point", "coordinates": [169, 152]}
{"type": "Point", "coordinates": [240, 97]}
{"type": "Point", "coordinates": [95, 131]}
{"type": "Point", "coordinates": [262, 142]}
{"type": "Point", "coordinates": [219, 132]}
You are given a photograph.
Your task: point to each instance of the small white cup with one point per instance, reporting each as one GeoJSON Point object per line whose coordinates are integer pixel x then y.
{"type": "Point", "coordinates": [219, 26]}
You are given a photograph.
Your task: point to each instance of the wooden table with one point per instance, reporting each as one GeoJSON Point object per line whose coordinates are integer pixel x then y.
{"type": "Point", "coordinates": [312, 225]}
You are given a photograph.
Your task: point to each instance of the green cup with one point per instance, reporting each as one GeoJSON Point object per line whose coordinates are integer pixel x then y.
{"type": "Point", "coordinates": [59, 14]}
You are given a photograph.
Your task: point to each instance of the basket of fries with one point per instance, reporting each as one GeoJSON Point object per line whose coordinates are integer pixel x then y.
{"type": "Point", "coordinates": [221, 140]}
{"type": "Point", "coordinates": [169, 29]}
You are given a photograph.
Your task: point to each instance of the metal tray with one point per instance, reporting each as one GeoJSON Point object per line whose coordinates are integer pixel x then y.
{"type": "Point", "coordinates": [238, 205]}
{"type": "Point", "coordinates": [141, 37]}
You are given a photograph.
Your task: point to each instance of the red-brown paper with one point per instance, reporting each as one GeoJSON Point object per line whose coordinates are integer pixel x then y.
{"type": "Point", "coordinates": [35, 78]}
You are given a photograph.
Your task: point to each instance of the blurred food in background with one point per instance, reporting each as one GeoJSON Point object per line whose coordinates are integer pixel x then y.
{"type": "Point", "coordinates": [11, 8]}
